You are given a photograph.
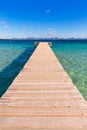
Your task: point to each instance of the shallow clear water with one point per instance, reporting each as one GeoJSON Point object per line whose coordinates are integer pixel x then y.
{"type": "Point", "coordinates": [73, 57]}
{"type": "Point", "coordinates": [13, 56]}
{"type": "Point", "coordinates": [71, 54]}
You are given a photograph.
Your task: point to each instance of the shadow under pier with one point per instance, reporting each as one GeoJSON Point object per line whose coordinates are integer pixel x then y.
{"type": "Point", "coordinates": [8, 74]}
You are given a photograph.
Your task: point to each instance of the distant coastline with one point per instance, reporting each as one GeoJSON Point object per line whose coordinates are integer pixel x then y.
{"type": "Point", "coordinates": [44, 39]}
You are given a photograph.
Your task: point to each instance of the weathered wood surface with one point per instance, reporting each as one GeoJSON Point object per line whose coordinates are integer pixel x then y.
{"type": "Point", "coordinates": [43, 97]}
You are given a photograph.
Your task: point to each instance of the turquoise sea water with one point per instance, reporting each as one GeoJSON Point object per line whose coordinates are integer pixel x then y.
{"type": "Point", "coordinates": [13, 56]}
{"type": "Point", "coordinates": [73, 57]}
{"type": "Point", "coordinates": [71, 54]}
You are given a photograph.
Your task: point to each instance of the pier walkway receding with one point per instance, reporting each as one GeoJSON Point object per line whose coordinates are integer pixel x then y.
{"type": "Point", "coordinates": [43, 97]}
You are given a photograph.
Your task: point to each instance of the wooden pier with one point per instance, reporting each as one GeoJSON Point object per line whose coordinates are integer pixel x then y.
{"type": "Point", "coordinates": [43, 97]}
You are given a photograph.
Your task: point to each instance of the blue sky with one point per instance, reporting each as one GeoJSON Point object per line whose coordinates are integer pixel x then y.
{"type": "Point", "coordinates": [43, 18]}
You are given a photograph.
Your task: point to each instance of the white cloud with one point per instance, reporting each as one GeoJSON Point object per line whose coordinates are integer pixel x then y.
{"type": "Point", "coordinates": [2, 22]}
{"type": "Point", "coordinates": [60, 35]}
{"type": "Point", "coordinates": [50, 29]}
{"type": "Point", "coordinates": [50, 32]}
{"type": "Point", "coordinates": [53, 31]}
{"type": "Point", "coordinates": [48, 11]}
{"type": "Point", "coordinates": [7, 27]}
{"type": "Point", "coordinates": [30, 32]}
